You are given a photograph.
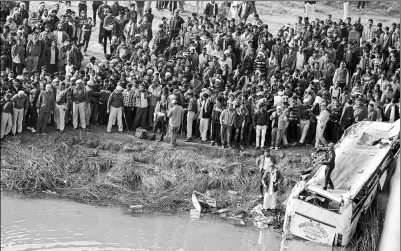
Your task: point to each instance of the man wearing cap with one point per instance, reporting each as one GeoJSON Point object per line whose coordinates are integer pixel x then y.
{"type": "Point", "coordinates": [115, 109]}
{"type": "Point", "coordinates": [175, 115]}
{"type": "Point", "coordinates": [45, 106]}
{"type": "Point", "coordinates": [79, 97]}
{"type": "Point", "coordinates": [20, 106]}
{"type": "Point", "coordinates": [62, 99]}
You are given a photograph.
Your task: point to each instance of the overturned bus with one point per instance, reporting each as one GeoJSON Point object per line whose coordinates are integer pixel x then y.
{"type": "Point", "coordinates": [366, 157]}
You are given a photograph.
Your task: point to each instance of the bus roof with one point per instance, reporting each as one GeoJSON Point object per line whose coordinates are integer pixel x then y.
{"type": "Point", "coordinates": [356, 159]}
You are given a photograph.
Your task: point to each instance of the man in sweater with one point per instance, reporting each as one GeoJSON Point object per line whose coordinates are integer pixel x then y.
{"type": "Point", "coordinates": [175, 115]}
{"type": "Point", "coordinates": [80, 101]}
{"type": "Point", "coordinates": [45, 106]}
{"type": "Point", "coordinates": [115, 109]}
{"type": "Point", "coordinates": [20, 106]}
{"type": "Point", "coordinates": [227, 118]}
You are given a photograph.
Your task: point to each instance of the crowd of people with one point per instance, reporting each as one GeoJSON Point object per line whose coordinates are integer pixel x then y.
{"type": "Point", "coordinates": [221, 76]}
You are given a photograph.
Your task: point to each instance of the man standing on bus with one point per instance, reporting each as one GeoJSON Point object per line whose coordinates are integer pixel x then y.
{"type": "Point", "coordinates": [330, 164]}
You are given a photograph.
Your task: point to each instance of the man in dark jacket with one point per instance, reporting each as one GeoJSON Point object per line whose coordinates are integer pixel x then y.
{"type": "Point", "coordinates": [260, 121]}
{"type": "Point", "coordinates": [45, 105]}
{"type": "Point", "coordinates": [205, 114]}
{"type": "Point", "coordinates": [330, 164]}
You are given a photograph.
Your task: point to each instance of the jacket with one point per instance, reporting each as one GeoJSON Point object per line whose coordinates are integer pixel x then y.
{"type": "Point", "coordinates": [115, 100]}
{"type": "Point", "coordinates": [330, 157]}
{"type": "Point", "coordinates": [20, 102]}
{"type": "Point", "coordinates": [347, 116]}
{"type": "Point", "coordinates": [227, 117]}
{"type": "Point", "coordinates": [207, 109]}
{"type": "Point", "coordinates": [279, 178]}
{"type": "Point", "coordinates": [261, 118]}
{"type": "Point", "coordinates": [46, 102]}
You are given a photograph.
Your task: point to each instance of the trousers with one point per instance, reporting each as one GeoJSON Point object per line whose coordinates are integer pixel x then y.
{"type": "Point", "coordinates": [260, 135]}
{"type": "Point", "coordinates": [59, 116]}
{"type": "Point", "coordinates": [304, 124]}
{"type": "Point", "coordinates": [18, 117]}
{"type": "Point", "coordinates": [203, 127]}
{"type": "Point", "coordinates": [78, 109]}
{"type": "Point", "coordinates": [327, 179]}
{"type": "Point", "coordinates": [6, 124]}
{"type": "Point", "coordinates": [115, 113]}
{"type": "Point", "coordinates": [190, 120]}
{"type": "Point", "coordinates": [319, 136]}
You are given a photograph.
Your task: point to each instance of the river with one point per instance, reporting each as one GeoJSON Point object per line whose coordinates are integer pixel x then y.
{"type": "Point", "coordinates": [50, 224]}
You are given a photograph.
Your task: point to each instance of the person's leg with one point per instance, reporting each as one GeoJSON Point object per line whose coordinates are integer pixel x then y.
{"type": "Point", "coordinates": [156, 126]}
{"type": "Point", "coordinates": [113, 113]}
{"type": "Point", "coordinates": [82, 116]}
{"type": "Point", "coordinates": [304, 130]}
{"type": "Point", "coordinates": [88, 111]}
{"type": "Point", "coordinates": [29, 64]}
{"type": "Point", "coordinates": [307, 10]}
{"type": "Point", "coordinates": [75, 115]}
{"type": "Point", "coordinates": [229, 133]}
{"type": "Point", "coordinates": [273, 202]}
{"type": "Point", "coordinates": [15, 117]}
{"type": "Point", "coordinates": [35, 61]}
{"type": "Point", "coordinates": [223, 134]}
{"type": "Point", "coordinates": [61, 124]}
{"type": "Point", "coordinates": [3, 124]}
{"type": "Point", "coordinates": [9, 124]}
{"type": "Point", "coordinates": [174, 135]}
{"type": "Point", "coordinates": [258, 132]}
{"type": "Point", "coordinates": [151, 111]}
{"type": "Point", "coordinates": [144, 118]}
{"type": "Point", "coordinates": [363, 5]}
{"type": "Point", "coordinates": [46, 118]}
{"type": "Point", "coordinates": [274, 134]}
{"type": "Point", "coordinates": [327, 179]}
{"type": "Point", "coordinates": [346, 9]}
{"type": "Point", "coordinates": [190, 118]}
{"type": "Point", "coordinates": [57, 116]}
{"type": "Point", "coordinates": [322, 139]}
{"type": "Point", "coordinates": [120, 119]}
{"type": "Point", "coordinates": [263, 130]}
{"type": "Point", "coordinates": [20, 119]}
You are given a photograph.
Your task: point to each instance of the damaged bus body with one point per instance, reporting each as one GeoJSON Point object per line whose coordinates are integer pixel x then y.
{"type": "Point", "coordinates": [366, 158]}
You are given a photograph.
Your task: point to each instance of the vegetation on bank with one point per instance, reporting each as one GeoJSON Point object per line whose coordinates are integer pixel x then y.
{"type": "Point", "coordinates": [126, 170]}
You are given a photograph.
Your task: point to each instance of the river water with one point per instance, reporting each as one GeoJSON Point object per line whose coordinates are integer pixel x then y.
{"type": "Point", "coordinates": [48, 224]}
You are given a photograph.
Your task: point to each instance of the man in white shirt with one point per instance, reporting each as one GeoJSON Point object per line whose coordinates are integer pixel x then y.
{"type": "Point", "coordinates": [383, 82]}
{"type": "Point", "coordinates": [300, 60]}
{"type": "Point", "coordinates": [322, 120]}
{"type": "Point", "coordinates": [141, 103]}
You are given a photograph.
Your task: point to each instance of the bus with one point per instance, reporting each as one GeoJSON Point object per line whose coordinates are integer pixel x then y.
{"type": "Point", "coordinates": [366, 157]}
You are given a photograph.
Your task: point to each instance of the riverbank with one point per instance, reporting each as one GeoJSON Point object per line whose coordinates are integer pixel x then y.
{"type": "Point", "coordinates": [100, 168]}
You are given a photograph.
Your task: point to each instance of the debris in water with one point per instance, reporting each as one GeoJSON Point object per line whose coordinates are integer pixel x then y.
{"type": "Point", "coordinates": [136, 206]}
{"type": "Point", "coordinates": [232, 192]}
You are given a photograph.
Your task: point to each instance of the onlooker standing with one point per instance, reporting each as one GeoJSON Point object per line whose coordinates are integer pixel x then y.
{"type": "Point", "coordinates": [18, 56]}
{"type": "Point", "coordinates": [155, 93]}
{"type": "Point", "coordinates": [33, 50]}
{"type": "Point", "coordinates": [227, 118]}
{"type": "Point", "coordinates": [95, 7]}
{"type": "Point", "coordinates": [192, 111]}
{"type": "Point", "coordinates": [141, 102]}
{"type": "Point", "coordinates": [62, 99]}
{"type": "Point", "coordinates": [205, 114]}
{"type": "Point", "coordinates": [6, 117]}
{"type": "Point", "coordinates": [115, 109]}
{"type": "Point", "coordinates": [304, 120]}
{"type": "Point", "coordinates": [20, 106]}
{"type": "Point", "coordinates": [310, 9]}
{"type": "Point", "coordinates": [80, 100]}
{"type": "Point", "coordinates": [260, 121]}
{"type": "Point", "coordinates": [160, 118]}
{"type": "Point", "coordinates": [175, 115]}
{"type": "Point", "coordinates": [361, 4]}
{"type": "Point", "coordinates": [128, 97]}
{"type": "Point", "coordinates": [322, 120]}
{"type": "Point", "coordinates": [45, 106]}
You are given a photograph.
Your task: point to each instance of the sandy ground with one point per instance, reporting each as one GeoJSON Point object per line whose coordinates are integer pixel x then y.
{"type": "Point", "coordinates": [274, 13]}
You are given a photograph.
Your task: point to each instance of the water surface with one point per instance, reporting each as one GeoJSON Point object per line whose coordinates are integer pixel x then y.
{"type": "Point", "coordinates": [47, 224]}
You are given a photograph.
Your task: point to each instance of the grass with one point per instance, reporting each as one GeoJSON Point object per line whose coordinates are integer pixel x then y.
{"type": "Point", "coordinates": [95, 169]}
